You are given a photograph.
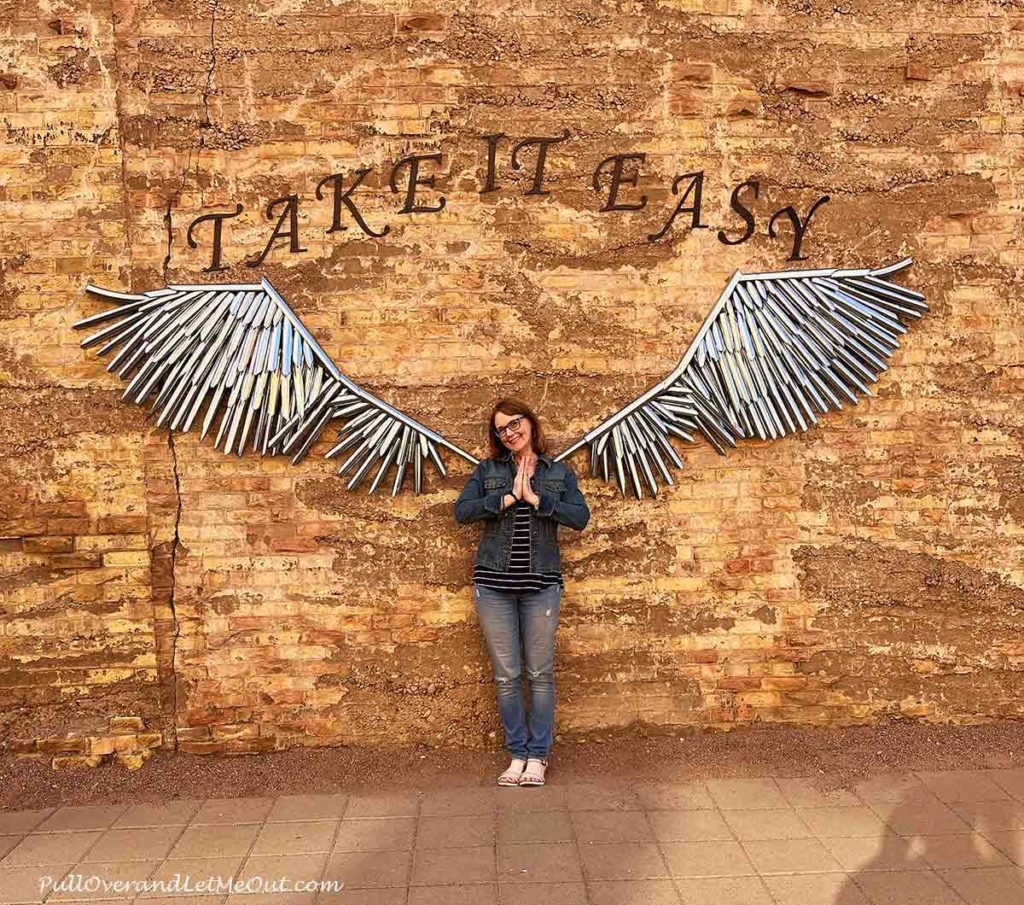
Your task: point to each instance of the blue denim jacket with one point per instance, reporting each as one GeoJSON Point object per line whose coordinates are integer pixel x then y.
{"type": "Point", "coordinates": [561, 503]}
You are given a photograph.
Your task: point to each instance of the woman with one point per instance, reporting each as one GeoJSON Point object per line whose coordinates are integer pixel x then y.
{"type": "Point", "coordinates": [522, 496]}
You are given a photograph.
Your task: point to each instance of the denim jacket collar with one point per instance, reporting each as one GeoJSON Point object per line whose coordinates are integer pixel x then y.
{"type": "Point", "coordinates": [546, 459]}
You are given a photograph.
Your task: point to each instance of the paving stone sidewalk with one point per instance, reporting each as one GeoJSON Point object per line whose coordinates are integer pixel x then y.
{"type": "Point", "coordinates": [895, 839]}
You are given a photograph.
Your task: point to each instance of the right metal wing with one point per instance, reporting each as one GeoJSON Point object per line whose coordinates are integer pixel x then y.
{"type": "Point", "coordinates": [776, 349]}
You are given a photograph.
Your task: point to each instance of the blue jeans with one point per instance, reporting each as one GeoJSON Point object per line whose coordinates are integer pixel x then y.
{"type": "Point", "coordinates": [510, 620]}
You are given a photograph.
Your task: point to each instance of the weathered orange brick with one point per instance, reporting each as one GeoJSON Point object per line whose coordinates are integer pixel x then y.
{"type": "Point", "coordinates": [48, 544]}
{"type": "Point", "coordinates": [126, 724]}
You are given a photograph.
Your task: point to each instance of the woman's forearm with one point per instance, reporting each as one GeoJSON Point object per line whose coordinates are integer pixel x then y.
{"type": "Point", "coordinates": [474, 503]}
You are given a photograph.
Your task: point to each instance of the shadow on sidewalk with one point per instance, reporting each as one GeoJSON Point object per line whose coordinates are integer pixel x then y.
{"type": "Point", "coordinates": [942, 854]}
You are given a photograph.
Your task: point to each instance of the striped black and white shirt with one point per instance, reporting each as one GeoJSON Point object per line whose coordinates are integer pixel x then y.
{"type": "Point", "coordinates": [518, 578]}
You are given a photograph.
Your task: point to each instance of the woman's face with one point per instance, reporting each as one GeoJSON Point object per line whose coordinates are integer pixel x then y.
{"type": "Point", "coordinates": [515, 431]}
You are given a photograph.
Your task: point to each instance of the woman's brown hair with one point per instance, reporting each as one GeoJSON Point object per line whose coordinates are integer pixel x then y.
{"type": "Point", "coordinates": [510, 406]}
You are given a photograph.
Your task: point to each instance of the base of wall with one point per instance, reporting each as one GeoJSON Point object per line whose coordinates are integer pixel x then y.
{"type": "Point", "coordinates": [123, 740]}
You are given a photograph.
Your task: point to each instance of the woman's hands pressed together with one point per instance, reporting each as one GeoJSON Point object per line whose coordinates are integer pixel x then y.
{"type": "Point", "coordinates": [521, 488]}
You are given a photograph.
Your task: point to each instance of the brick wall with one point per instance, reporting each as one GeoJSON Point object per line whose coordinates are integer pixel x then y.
{"type": "Point", "coordinates": [155, 590]}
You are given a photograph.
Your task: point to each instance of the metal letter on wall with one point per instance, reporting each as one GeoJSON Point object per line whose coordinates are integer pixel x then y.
{"type": "Point", "coordinates": [777, 350]}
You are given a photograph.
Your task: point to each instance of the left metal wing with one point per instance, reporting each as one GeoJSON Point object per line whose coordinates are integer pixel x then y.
{"type": "Point", "coordinates": [776, 350]}
{"type": "Point", "coordinates": [239, 352]}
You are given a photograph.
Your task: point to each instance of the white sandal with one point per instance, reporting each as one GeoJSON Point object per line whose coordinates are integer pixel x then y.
{"type": "Point", "coordinates": [511, 776]}
{"type": "Point", "coordinates": [533, 775]}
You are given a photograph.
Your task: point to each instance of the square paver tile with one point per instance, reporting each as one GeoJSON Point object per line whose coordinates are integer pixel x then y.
{"type": "Point", "coordinates": [767, 824]}
{"type": "Point", "coordinates": [857, 821]}
{"type": "Point", "coordinates": [398, 804]}
{"type": "Point", "coordinates": [86, 817]}
{"type": "Point", "coordinates": [990, 886]}
{"type": "Point", "coordinates": [184, 900]}
{"type": "Point", "coordinates": [746, 794]}
{"type": "Point", "coordinates": [369, 869]}
{"type": "Point", "coordinates": [455, 832]}
{"type": "Point", "coordinates": [689, 796]}
{"type": "Point", "coordinates": [542, 862]}
{"type": "Point", "coordinates": [30, 884]}
{"type": "Point", "coordinates": [816, 889]}
{"type": "Point", "coordinates": [689, 826]}
{"type": "Point", "coordinates": [394, 896]}
{"type": "Point", "coordinates": [987, 816]}
{"type": "Point", "coordinates": [963, 785]}
{"type": "Point", "coordinates": [139, 844]}
{"type": "Point", "coordinates": [952, 852]}
{"type": "Point", "coordinates": [161, 814]}
{"type": "Point", "coordinates": [612, 826]}
{"type": "Point", "coordinates": [113, 880]}
{"type": "Point", "coordinates": [463, 894]}
{"type": "Point", "coordinates": [460, 802]}
{"type": "Point", "coordinates": [601, 797]}
{"type": "Point", "coordinates": [433, 867]}
{"type": "Point", "coordinates": [915, 818]}
{"type": "Point", "coordinates": [1010, 843]}
{"type": "Point", "coordinates": [18, 822]}
{"type": "Point", "coordinates": [215, 841]}
{"type": "Point", "coordinates": [706, 859]}
{"type": "Point", "coordinates": [375, 834]}
{"type": "Point", "coordinates": [1010, 781]}
{"type": "Point", "coordinates": [816, 793]}
{"type": "Point", "coordinates": [893, 788]}
{"type": "Point", "coordinates": [546, 893]}
{"type": "Point", "coordinates": [790, 856]}
{"type": "Point", "coordinates": [725, 891]}
{"type": "Point", "coordinates": [50, 848]}
{"type": "Point", "coordinates": [307, 807]}
{"type": "Point", "coordinates": [273, 898]}
{"type": "Point", "coordinates": [912, 888]}
{"type": "Point", "coordinates": [233, 810]}
{"type": "Point", "coordinates": [295, 837]}
{"type": "Point", "coordinates": [633, 892]}
{"type": "Point", "coordinates": [623, 861]}
{"type": "Point", "coordinates": [261, 870]}
{"type": "Point", "coordinates": [872, 853]}
{"type": "Point", "coordinates": [539, 826]}
{"type": "Point", "coordinates": [512, 800]}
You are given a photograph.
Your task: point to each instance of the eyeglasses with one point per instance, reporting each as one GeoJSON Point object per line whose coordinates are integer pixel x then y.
{"type": "Point", "coordinates": [512, 425]}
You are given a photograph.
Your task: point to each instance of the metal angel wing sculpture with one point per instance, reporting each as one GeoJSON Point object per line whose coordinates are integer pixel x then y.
{"type": "Point", "coordinates": [240, 352]}
{"type": "Point", "coordinates": [776, 351]}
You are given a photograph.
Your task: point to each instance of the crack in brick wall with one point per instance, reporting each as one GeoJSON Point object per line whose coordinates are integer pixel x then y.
{"type": "Point", "coordinates": [175, 625]}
